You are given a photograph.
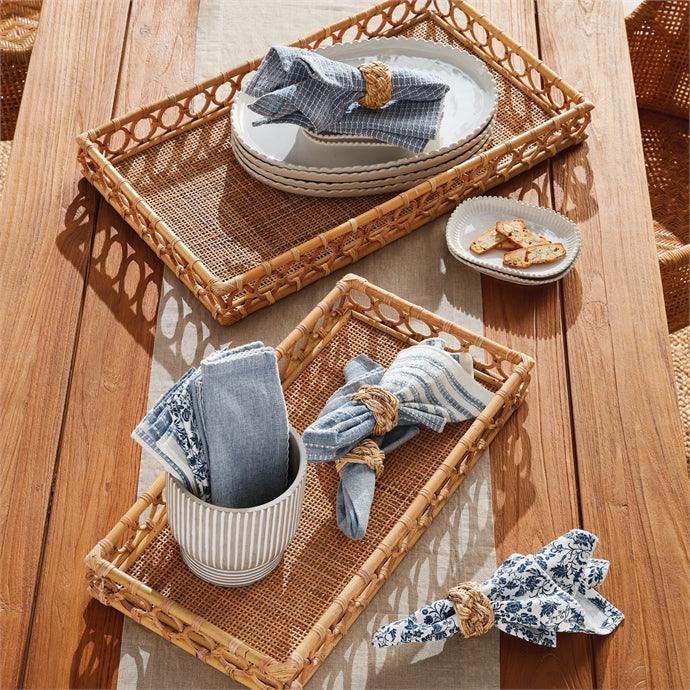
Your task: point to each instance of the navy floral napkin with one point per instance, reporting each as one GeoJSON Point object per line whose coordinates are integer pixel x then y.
{"type": "Point", "coordinates": [531, 597]}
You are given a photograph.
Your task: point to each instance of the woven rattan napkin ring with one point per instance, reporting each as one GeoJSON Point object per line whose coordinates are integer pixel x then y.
{"type": "Point", "coordinates": [383, 406]}
{"type": "Point", "coordinates": [378, 84]}
{"type": "Point", "coordinates": [473, 609]}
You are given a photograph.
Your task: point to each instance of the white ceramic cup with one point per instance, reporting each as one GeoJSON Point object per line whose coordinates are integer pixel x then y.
{"type": "Point", "coordinates": [235, 547]}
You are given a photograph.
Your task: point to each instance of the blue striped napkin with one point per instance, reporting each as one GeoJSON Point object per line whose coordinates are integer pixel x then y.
{"type": "Point", "coordinates": [303, 88]}
{"type": "Point", "coordinates": [431, 384]}
{"type": "Point", "coordinates": [433, 387]}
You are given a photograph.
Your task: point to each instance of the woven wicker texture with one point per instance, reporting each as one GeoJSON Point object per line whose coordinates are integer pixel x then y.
{"type": "Point", "coordinates": [268, 634]}
{"type": "Point", "coordinates": [18, 26]}
{"type": "Point", "coordinates": [658, 40]}
{"type": "Point", "coordinates": [680, 354]}
{"type": "Point", "coordinates": [231, 221]}
{"type": "Point", "coordinates": [5, 147]}
{"type": "Point", "coordinates": [321, 560]}
{"type": "Point", "coordinates": [238, 245]}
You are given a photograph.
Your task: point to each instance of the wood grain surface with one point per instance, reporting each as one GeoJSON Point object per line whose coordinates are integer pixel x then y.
{"type": "Point", "coordinates": [631, 470]}
{"type": "Point", "coordinates": [74, 640]}
{"type": "Point", "coordinates": [533, 467]}
{"type": "Point", "coordinates": [597, 445]}
{"type": "Point", "coordinates": [46, 221]}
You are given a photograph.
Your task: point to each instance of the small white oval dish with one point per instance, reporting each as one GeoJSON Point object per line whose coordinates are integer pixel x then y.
{"type": "Point", "coordinates": [531, 282]}
{"type": "Point", "coordinates": [472, 217]}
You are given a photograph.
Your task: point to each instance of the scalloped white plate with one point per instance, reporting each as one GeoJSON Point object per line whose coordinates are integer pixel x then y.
{"type": "Point", "coordinates": [423, 169]}
{"type": "Point", "coordinates": [388, 182]}
{"type": "Point", "coordinates": [472, 217]}
{"type": "Point", "coordinates": [531, 282]}
{"type": "Point", "coordinates": [469, 106]}
{"type": "Point", "coordinates": [386, 185]}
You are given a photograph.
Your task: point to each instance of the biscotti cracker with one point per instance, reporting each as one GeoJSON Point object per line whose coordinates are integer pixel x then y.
{"type": "Point", "coordinates": [507, 245]}
{"type": "Point", "coordinates": [538, 254]}
{"type": "Point", "coordinates": [516, 231]}
{"type": "Point", "coordinates": [489, 239]}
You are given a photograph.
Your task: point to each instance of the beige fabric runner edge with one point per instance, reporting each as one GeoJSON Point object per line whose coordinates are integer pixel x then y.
{"type": "Point", "coordinates": [459, 545]}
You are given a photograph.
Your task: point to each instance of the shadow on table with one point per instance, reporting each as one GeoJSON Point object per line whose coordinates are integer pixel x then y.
{"type": "Point", "coordinates": [574, 183]}
{"type": "Point", "coordinates": [125, 273]}
{"type": "Point", "coordinates": [120, 268]}
{"type": "Point", "coordinates": [100, 636]}
{"type": "Point", "coordinates": [187, 332]}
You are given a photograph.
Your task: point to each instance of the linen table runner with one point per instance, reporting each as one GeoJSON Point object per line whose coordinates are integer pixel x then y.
{"type": "Point", "coordinates": [459, 545]}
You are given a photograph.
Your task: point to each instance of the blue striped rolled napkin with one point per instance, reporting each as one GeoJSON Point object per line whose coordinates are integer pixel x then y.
{"type": "Point", "coordinates": [303, 88]}
{"type": "Point", "coordinates": [424, 386]}
{"type": "Point", "coordinates": [531, 597]}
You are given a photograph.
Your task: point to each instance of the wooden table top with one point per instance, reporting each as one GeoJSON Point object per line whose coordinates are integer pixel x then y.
{"type": "Point", "coordinates": [597, 445]}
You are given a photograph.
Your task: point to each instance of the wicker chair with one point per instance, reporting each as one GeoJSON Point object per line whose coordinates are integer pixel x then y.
{"type": "Point", "coordinates": [658, 40]}
{"type": "Point", "coordinates": [18, 24]}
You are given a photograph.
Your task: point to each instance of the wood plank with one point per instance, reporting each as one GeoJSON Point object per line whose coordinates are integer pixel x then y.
{"type": "Point", "coordinates": [75, 642]}
{"type": "Point", "coordinates": [532, 461]}
{"type": "Point", "coordinates": [45, 224]}
{"type": "Point", "coordinates": [633, 483]}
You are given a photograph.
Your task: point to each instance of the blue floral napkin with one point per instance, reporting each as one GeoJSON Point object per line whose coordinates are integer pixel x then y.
{"type": "Point", "coordinates": [431, 386]}
{"type": "Point", "coordinates": [171, 432]}
{"type": "Point", "coordinates": [303, 88]}
{"type": "Point", "coordinates": [222, 429]}
{"type": "Point", "coordinates": [531, 597]}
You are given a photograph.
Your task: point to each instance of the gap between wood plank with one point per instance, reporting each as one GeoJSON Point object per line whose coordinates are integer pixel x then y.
{"type": "Point", "coordinates": [546, 516]}
{"type": "Point", "coordinates": [630, 452]}
{"type": "Point", "coordinates": [33, 406]}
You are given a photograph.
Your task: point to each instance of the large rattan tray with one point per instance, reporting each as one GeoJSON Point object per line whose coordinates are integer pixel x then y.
{"type": "Point", "coordinates": [169, 171]}
{"type": "Point", "coordinates": [325, 580]}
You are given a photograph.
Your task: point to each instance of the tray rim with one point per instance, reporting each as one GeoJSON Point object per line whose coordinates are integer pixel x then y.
{"type": "Point", "coordinates": [214, 291]}
{"type": "Point", "coordinates": [248, 664]}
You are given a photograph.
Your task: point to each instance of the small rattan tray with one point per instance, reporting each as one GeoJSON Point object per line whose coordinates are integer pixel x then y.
{"type": "Point", "coordinates": [324, 580]}
{"type": "Point", "coordinates": [169, 171]}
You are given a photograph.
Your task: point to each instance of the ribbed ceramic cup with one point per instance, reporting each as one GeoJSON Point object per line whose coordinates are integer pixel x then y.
{"type": "Point", "coordinates": [234, 547]}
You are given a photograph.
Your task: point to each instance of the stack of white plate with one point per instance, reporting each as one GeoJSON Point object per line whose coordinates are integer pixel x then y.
{"type": "Point", "coordinates": [289, 158]}
{"type": "Point", "coordinates": [472, 217]}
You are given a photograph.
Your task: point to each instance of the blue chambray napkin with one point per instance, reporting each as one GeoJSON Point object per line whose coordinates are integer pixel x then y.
{"type": "Point", "coordinates": [433, 387]}
{"type": "Point", "coordinates": [243, 421]}
{"type": "Point", "coordinates": [300, 87]}
{"type": "Point", "coordinates": [532, 597]}
{"type": "Point", "coordinates": [357, 482]}
{"type": "Point", "coordinates": [222, 429]}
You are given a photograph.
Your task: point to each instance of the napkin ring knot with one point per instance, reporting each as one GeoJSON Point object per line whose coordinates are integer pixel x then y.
{"type": "Point", "coordinates": [378, 84]}
{"type": "Point", "coordinates": [382, 404]}
{"type": "Point", "coordinates": [473, 608]}
{"type": "Point", "coordinates": [366, 453]}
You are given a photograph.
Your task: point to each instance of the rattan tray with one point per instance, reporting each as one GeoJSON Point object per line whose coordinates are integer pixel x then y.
{"type": "Point", "coordinates": [169, 171]}
{"type": "Point", "coordinates": [324, 580]}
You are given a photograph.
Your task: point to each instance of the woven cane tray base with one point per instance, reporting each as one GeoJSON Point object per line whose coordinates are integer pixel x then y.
{"type": "Point", "coordinates": [324, 580]}
{"type": "Point", "coordinates": [168, 169]}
